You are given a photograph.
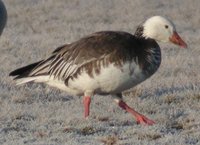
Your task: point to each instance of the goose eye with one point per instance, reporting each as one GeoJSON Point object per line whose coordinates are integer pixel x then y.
{"type": "Point", "coordinates": [166, 26]}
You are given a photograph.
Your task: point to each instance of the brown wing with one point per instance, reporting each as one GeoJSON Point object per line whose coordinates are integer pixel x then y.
{"type": "Point", "coordinates": [89, 53]}
{"type": "Point", "coordinates": [98, 45]}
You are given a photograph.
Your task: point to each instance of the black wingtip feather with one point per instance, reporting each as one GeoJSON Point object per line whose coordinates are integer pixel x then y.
{"type": "Point", "coordinates": [23, 71]}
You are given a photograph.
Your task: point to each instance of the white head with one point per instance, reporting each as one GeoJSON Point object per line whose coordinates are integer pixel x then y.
{"type": "Point", "coordinates": [162, 29]}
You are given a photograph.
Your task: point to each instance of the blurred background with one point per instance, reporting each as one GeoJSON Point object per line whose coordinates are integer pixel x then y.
{"type": "Point", "coordinates": [39, 114]}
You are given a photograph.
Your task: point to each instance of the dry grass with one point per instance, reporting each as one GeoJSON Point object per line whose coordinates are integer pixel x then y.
{"type": "Point", "coordinates": [37, 114]}
{"type": "Point", "coordinates": [110, 140]}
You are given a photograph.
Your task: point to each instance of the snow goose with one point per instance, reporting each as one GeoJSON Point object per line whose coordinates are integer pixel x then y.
{"type": "Point", "coordinates": [107, 62]}
{"type": "Point", "coordinates": [3, 16]}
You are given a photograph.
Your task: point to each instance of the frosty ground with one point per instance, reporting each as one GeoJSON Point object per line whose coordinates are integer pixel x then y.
{"type": "Point", "coordinates": [37, 114]}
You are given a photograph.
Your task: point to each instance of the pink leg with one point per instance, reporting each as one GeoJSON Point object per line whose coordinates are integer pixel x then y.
{"type": "Point", "coordinates": [139, 117]}
{"type": "Point", "coordinates": [86, 102]}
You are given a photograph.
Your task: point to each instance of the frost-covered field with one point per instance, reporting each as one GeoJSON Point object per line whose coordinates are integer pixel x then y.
{"type": "Point", "coordinates": [36, 114]}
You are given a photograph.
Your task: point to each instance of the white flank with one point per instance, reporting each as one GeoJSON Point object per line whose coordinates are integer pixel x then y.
{"type": "Point", "coordinates": [111, 80]}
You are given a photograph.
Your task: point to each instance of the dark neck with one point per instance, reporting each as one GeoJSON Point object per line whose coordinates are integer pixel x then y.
{"type": "Point", "coordinates": [149, 55]}
{"type": "Point", "coordinates": [139, 31]}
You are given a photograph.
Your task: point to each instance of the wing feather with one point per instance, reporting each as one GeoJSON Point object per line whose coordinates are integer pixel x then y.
{"type": "Point", "coordinates": [66, 61]}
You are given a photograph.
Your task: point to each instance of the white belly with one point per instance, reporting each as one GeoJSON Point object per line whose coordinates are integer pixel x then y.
{"type": "Point", "coordinates": [111, 79]}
